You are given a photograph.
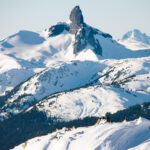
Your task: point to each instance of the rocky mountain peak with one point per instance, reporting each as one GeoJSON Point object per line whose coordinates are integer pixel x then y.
{"type": "Point", "coordinates": [76, 19]}
{"type": "Point", "coordinates": [76, 16]}
{"type": "Point", "coordinates": [137, 35]}
{"type": "Point", "coordinates": [85, 35]}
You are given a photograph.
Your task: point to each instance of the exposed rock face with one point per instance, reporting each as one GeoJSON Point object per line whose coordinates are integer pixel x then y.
{"type": "Point", "coordinates": [76, 19]}
{"type": "Point", "coordinates": [57, 29]}
{"type": "Point", "coordinates": [84, 34]}
{"type": "Point", "coordinates": [76, 16]}
{"type": "Point", "coordinates": [84, 37]}
{"type": "Point", "coordinates": [106, 35]}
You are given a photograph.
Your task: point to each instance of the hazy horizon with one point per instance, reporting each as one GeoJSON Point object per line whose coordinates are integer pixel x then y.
{"type": "Point", "coordinates": [115, 17]}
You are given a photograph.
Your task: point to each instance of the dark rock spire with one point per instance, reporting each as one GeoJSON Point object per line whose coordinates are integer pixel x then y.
{"type": "Point", "coordinates": [76, 19]}
{"type": "Point", "coordinates": [76, 16]}
{"type": "Point", "coordinates": [84, 34]}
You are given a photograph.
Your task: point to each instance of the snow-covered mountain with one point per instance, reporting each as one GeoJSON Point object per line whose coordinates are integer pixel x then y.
{"type": "Point", "coordinates": [132, 135]}
{"type": "Point", "coordinates": [135, 40]}
{"type": "Point", "coordinates": [30, 52]}
{"type": "Point", "coordinates": [67, 72]}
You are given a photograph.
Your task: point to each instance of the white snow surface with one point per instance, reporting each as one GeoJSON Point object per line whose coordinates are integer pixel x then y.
{"type": "Point", "coordinates": [133, 135]}
{"type": "Point", "coordinates": [121, 84]}
{"type": "Point", "coordinates": [30, 51]}
{"type": "Point", "coordinates": [11, 73]}
{"type": "Point", "coordinates": [134, 45]}
{"type": "Point", "coordinates": [91, 101]}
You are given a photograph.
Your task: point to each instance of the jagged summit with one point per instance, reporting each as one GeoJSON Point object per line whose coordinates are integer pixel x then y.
{"type": "Point", "coordinates": [76, 16]}
{"type": "Point", "coordinates": [132, 34]}
{"type": "Point", "coordinates": [137, 35]}
{"type": "Point", "coordinates": [76, 19]}
{"type": "Point", "coordinates": [85, 35]}
{"type": "Point", "coordinates": [135, 40]}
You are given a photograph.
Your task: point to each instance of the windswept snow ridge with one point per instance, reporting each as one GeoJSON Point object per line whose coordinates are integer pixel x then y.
{"type": "Point", "coordinates": [104, 136]}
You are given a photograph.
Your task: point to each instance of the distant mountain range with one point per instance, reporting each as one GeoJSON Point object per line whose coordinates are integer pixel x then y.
{"type": "Point", "coordinates": [136, 40]}
{"type": "Point", "coordinates": [69, 72]}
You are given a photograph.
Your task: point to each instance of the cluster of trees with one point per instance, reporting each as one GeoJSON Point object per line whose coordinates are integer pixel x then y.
{"type": "Point", "coordinates": [24, 126]}
{"type": "Point", "coordinates": [131, 113]}
{"type": "Point", "coordinates": [27, 125]}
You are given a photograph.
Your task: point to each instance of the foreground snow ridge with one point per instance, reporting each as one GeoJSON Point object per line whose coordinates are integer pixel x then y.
{"type": "Point", "coordinates": [133, 135]}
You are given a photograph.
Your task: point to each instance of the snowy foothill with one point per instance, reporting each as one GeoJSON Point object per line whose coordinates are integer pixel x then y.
{"type": "Point", "coordinates": [108, 86]}
{"type": "Point", "coordinates": [90, 101]}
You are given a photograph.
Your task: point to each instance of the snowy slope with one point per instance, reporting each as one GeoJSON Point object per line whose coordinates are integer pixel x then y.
{"type": "Point", "coordinates": [12, 73]}
{"type": "Point", "coordinates": [91, 92]}
{"type": "Point", "coordinates": [106, 136]}
{"type": "Point", "coordinates": [35, 47]}
{"type": "Point", "coordinates": [135, 40]}
{"type": "Point", "coordinates": [31, 52]}
{"type": "Point", "coordinates": [58, 78]}
{"type": "Point", "coordinates": [91, 101]}
{"type": "Point", "coordinates": [131, 74]}
{"type": "Point", "coordinates": [122, 84]}
{"type": "Point", "coordinates": [40, 50]}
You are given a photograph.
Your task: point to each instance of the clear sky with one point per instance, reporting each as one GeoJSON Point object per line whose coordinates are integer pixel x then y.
{"type": "Point", "coordinates": [112, 16]}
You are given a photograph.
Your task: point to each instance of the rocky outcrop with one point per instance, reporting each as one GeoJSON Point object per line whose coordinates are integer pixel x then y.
{"type": "Point", "coordinates": [85, 36]}
{"type": "Point", "coordinates": [76, 19]}
{"type": "Point", "coordinates": [57, 29]}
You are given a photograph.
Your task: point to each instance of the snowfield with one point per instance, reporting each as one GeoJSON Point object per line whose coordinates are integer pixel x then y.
{"type": "Point", "coordinates": [91, 101]}
{"type": "Point", "coordinates": [134, 45]}
{"type": "Point", "coordinates": [133, 135]}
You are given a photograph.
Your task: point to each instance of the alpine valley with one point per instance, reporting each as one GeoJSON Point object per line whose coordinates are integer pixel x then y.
{"type": "Point", "coordinates": [56, 85]}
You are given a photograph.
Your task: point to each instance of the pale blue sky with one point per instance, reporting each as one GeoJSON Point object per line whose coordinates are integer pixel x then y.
{"type": "Point", "coordinates": [112, 16]}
